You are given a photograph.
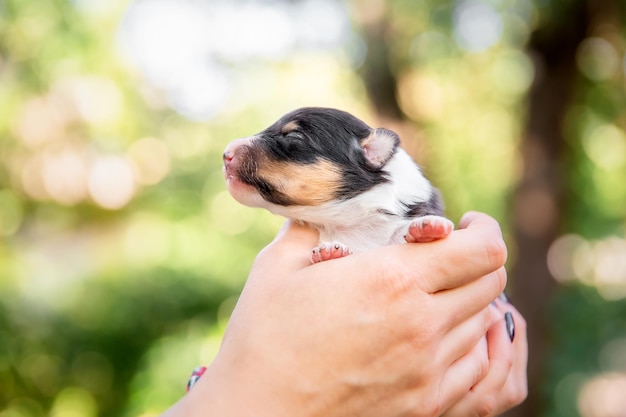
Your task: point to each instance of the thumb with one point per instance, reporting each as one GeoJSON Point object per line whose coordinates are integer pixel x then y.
{"type": "Point", "coordinates": [288, 252]}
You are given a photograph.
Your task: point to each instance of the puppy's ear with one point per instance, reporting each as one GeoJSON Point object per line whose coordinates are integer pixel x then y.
{"type": "Point", "coordinates": [379, 146]}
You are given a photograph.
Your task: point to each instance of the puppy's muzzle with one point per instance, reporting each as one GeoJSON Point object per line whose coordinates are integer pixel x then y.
{"type": "Point", "coordinates": [232, 155]}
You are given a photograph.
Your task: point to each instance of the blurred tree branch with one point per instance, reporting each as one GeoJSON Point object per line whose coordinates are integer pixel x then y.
{"type": "Point", "coordinates": [379, 79]}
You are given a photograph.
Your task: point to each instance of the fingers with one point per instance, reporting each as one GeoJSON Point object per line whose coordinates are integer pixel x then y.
{"type": "Point", "coordinates": [483, 398]}
{"type": "Point", "coordinates": [500, 361]}
{"type": "Point", "coordinates": [517, 384]}
{"type": "Point", "coordinates": [460, 258]}
{"type": "Point", "coordinates": [474, 218]}
{"type": "Point", "coordinates": [469, 253]}
{"type": "Point", "coordinates": [466, 301]}
{"type": "Point", "coordinates": [479, 245]}
{"type": "Point", "coordinates": [462, 375]}
{"type": "Point", "coordinates": [505, 384]}
{"type": "Point", "coordinates": [463, 337]}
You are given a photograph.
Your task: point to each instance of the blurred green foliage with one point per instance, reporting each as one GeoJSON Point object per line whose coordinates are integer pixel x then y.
{"type": "Point", "coordinates": [122, 255]}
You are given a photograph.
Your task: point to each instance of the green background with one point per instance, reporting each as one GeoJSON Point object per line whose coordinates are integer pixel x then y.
{"type": "Point", "coordinates": [122, 255]}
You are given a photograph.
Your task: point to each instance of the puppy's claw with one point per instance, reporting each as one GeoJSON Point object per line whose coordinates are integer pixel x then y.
{"type": "Point", "coordinates": [428, 229]}
{"type": "Point", "coordinates": [328, 251]}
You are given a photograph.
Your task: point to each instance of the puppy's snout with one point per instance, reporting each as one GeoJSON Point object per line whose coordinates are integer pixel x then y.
{"type": "Point", "coordinates": [229, 152]}
{"type": "Point", "coordinates": [228, 156]}
{"type": "Point", "coordinates": [232, 148]}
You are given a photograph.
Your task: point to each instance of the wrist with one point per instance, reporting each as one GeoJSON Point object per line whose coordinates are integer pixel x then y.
{"type": "Point", "coordinates": [221, 391]}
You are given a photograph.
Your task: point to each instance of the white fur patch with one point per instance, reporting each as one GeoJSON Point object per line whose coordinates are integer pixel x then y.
{"type": "Point", "coordinates": [364, 222]}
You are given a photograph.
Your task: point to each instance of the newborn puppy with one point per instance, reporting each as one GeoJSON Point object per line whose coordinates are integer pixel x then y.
{"type": "Point", "coordinates": [329, 169]}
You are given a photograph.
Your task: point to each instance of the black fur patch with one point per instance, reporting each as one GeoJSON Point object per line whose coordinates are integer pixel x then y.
{"type": "Point", "coordinates": [434, 206]}
{"type": "Point", "coordinates": [320, 133]}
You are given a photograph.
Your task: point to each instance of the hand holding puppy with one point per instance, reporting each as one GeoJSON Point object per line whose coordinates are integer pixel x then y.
{"type": "Point", "coordinates": [392, 332]}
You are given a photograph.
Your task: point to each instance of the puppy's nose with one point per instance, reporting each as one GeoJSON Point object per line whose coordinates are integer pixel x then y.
{"type": "Point", "coordinates": [228, 155]}
{"type": "Point", "coordinates": [231, 149]}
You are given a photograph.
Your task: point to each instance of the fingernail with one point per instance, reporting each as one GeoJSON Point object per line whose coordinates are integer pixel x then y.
{"type": "Point", "coordinates": [503, 297]}
{"type": "Point", "coordinates": [510, 325]}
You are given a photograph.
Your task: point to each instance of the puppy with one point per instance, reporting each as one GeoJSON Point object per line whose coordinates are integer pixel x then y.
{"type": "Point", "coordinates": [329, 169]}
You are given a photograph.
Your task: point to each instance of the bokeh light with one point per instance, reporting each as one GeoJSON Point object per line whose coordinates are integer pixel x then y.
{"type": "Point", "coordinates": [96, 99]}
{"type": "Point", "coordinates": [111, 182]}
{"type": "Point", "coordinates": [150, 159]}
{"type": "Point", "coordinates": [597, 59]}
{"type": "Point", "coordinates": [477, 25]}
{"type": "Point", "coordinates": [606, 146]}
{"type": "Point", "coordinates": [40, 121]}
{"type": "Point", "coordinates": [603, 396]}
{"type": "Point", "coordinates": [43, 370]}
{"type": "Point", "coordinates": [74, 402]}
{"type": "Point", "coordinates": [601, 263]}
{"type": "Point", "coordinates": [570, 258]}
{"type": "Point", "coordinates": [146, 227]}
{"type": "Point", "coordinates": [93, 371]}
{"type": "Point", "coordinates": [63, 173]}
{"type": "Point", "coordinates": [612, 357]}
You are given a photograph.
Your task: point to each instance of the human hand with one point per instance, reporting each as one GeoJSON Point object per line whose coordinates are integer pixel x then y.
{"type": "Point", "coordinates": [388, 333]}
{"type": "Point", "coordinates": [505, 385]}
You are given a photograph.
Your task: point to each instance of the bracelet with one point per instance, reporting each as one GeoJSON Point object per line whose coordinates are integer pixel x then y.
{"type": "Point", "coordinates": [195, 376]}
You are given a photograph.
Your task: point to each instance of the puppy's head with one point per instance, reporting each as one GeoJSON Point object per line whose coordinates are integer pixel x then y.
{"type": "Point", "coordinates": [309, 157]}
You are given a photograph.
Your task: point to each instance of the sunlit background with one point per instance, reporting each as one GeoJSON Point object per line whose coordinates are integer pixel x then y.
{"type": "Point", "coordinates": [121, 254]}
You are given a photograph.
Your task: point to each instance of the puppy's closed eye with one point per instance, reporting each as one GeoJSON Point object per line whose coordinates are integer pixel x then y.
{"type": "Point", "coordinates": [294, 134]}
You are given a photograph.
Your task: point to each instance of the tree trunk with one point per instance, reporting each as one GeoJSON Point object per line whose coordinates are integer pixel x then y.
{"type": "Point", "coordinates": [538, 201]}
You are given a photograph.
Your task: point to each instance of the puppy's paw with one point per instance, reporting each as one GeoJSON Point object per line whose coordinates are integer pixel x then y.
{"type": "Point", "coordinates": [428, 228]}
{"type": "Point", "coordinates": [327, 251]}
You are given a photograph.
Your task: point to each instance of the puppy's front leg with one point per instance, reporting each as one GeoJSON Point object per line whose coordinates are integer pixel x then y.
{"type": "Point", "coordinates": [428, 229]}
{"type": "Point", "coordinates": [327, 251]}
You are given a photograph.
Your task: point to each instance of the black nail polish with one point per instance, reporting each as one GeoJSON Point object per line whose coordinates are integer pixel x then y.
{"type": "Point", "coordinates": [510, 325]}
{"type": "Point", "coordinates": [503, 297]}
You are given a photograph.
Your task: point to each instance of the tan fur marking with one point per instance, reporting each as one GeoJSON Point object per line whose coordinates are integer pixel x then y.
{"type": "Point", "coordinates": [289, 127]}
{"type": "Point", "coordinates": [305, 185]}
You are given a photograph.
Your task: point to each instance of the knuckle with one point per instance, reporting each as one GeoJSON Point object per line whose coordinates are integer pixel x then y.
{"type": "Point", "coordinates": [498, 283]}
{"type": "Point", "coordinates": [488, 317]}
{"type": "Point", "coordinates": [427, 404]}
{"type": "Point", "coordinates": [482, 368]}
{"type": "Point", "coordinates": [496, 251]}
{"type": "Point", "coordinates": [519, 395]}
{"type": "Point", "coordinates": [502, 278]}
{"type": "Point", "coordinates": [430, 408]}
{"type": "Point", "coordinates": [422, 405]}
{"type": "Point", "coordinates": [418, 339]}
{"type": "Point", "coordinates": [494, 283]}
{"type": "Point", "coordinates": [514, 396]}
{"type": "Point", "coordinates": [479, 365]}
{"type": "Point", "coordinates": [522, 394]}
{"type": "Point", "coordinates": [487, 406]}
{"type": "Point", "coordinates": [509, 362]}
